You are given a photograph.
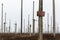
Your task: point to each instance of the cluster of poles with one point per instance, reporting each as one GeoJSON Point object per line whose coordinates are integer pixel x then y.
{"type": "Point", "coordinates": [41, 18]}
{"type": "Point", "coordinates": [3, 24]}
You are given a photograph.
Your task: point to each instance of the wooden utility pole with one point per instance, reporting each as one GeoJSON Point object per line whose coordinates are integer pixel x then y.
{"type": "Point", "coordinates": [33, 18]}
{"type": "Point", "coordinates": [40, 14]}
{"type": "Point", "coordinates": [54, 17]}
{"type": "Point", "coordinates": [2, 19]}
{"type": "Point", "coordinates": [21, 14]}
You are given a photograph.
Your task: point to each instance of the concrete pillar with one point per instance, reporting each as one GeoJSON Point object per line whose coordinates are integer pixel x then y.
{"type": "Point", "coordinates": [15, 27]}
{"type": "Point", "coordinates": [40, 13]}
{"type": "Point", "coordinates": [33, 18]}
{"type": "Point", "coordinates": [48, 21]}
{"type": "Point", "coordinates": [54, 18]}
{"type": "Point", "coordinates": [21, 14]}
{"type": "Point", "coordinates": [2, 19]}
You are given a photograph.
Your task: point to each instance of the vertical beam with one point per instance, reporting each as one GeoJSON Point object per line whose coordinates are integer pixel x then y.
{"type": "Point", "coordinates": [40, 21]}
{"type": "Point", "coordinates": [21, 14]}
{"type": "Point", "coordinates": [4, 27]}
{"type": "Point", "coordinates": [15, 27]}
{"type": "Point", "coordinates": [28, 23]}
{"type": "Point", "coordinates": [24, 25]}
{"type": "Point", "coordinates": [5, 18]}
{"type": "Point", "coordinates": [30, 29]}
{"type": "Point", "coordinates": [2, 19]}
{"type": "Point", "coordinates": [54, 17]}
{"type": "Point", "coordinates": [5, 23]}
{"type": "Point", "coordinates": [51, 24]}
{"type": "Point", "coordinates": [9, 25]}
{"type": "Point", "coordinates": [48, 21]}
{"type": "Point", "coordinates": [33, 18]}
{"type": "Point", "coordinates": [57, 28]}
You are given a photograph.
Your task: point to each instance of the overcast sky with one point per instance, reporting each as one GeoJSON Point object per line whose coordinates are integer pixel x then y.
{"type": "Point", "coordinates": [13, 10]}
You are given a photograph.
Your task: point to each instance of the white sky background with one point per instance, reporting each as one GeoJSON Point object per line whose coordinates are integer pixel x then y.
{"type": "Point", "coordinates": [13, 10]}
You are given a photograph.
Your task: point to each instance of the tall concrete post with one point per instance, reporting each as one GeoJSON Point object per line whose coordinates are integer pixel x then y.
{"type": "Point", "coordinates": [48, 22]}
{"type": "Point", "coordinates": [9, 25]}
{"type": "Point", "coordinates": [15, 27]}
{"type": "Point", "coordinates": [30, 30]}
{"type": "Point", "coordinates": [54, 18]}
{"type": "Point", "coordinates": [51, 25]}
{"type": "Point", "coordinates": [33, 18]}
{"type": "Point", "coordinates": [40, 14]}
{"type": "Point", "coordinates": [24, 25]}
{"type": "Point", "coordinates": [21, 14]}
{"type": "Point", "coordinates": [5, 23]}
{"type": "Point", "coordinates": [2, 19]}
{"type": "Point", "coordinates": [28, 23]}
{"type": "Point", "coordinates": [40, 20]}
{"type": "Point", "coordinates": [4, 27]}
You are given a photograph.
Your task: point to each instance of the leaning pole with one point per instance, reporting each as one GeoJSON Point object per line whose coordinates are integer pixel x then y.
{"type": "Point", "coordinates": [40, 15]}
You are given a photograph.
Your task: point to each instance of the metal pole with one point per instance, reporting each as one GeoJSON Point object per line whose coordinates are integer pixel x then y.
{"type": "Point", "coordinates": [21, 14]}
{"type": "Point", "coordinates": [2, 19]}
{"type": "Point", "coordinates": [54, 17]}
